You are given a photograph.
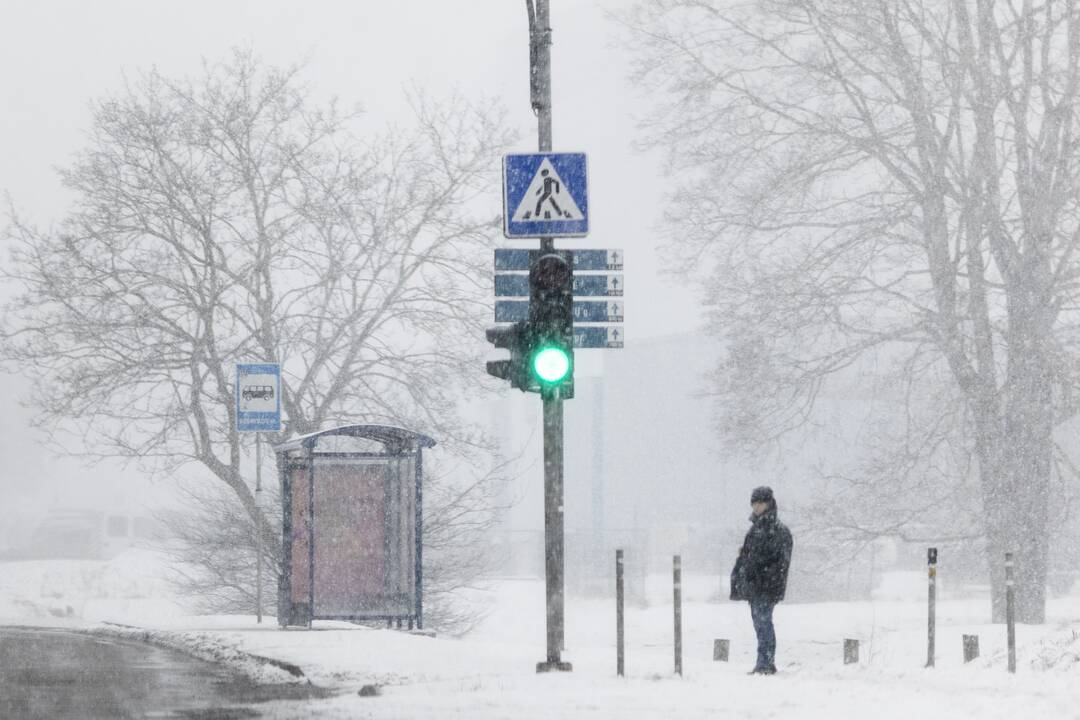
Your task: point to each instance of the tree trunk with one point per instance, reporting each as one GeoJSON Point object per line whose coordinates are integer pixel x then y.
{"type": "Point", "coordinates": [1017, 495]}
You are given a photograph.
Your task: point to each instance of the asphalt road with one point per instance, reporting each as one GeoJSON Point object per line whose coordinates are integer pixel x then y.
{"type": "Point", "coordinates": [56, 674]}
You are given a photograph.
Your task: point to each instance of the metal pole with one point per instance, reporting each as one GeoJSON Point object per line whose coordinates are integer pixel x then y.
{"type": "Point", "coordinates": [419, 537]}
{"type": "Point", "coordinates": [258, 527]}
{"type": "Point", "coordinates": [542, 100]}
{"type": "Point", "coordinates": [311, 535]}
{"type": "Point", "coordinates": [540, 37]}
{"type": "Point", "coordinates": [620, 637]}
{"type": "Point", "coordinates": [540, 47]}
{"type": "Point", "coordinates": [676, 572]}
{"type": "Point", "coordinates": [1010, 612]}
{"type": "Point", "coordinates": [553, 533]}
{"type": "Point", "coordinates": [931, 618]}
{"type": "Point", "coordinates": [284, 589]}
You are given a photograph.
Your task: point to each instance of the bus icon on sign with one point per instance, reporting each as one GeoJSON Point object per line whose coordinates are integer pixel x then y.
{"type": "Point", "coordinates": [258, 392]}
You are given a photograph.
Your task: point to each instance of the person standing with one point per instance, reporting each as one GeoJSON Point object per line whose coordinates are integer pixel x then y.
{"type": "Point", "coordinates": [760, 573]}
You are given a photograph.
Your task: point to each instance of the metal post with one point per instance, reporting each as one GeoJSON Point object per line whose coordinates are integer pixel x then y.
{"type": "Point", "coordinates": [419, 534]}
{"type": "Point", "coordinates": [676, 573]}
{"type": "Point", "coordinates": [1010, 612]}
{"type": "Point", "coordinates": [971, 647]}
{"type": "Point", "coordinates": [851, 651]}
{"type": "Point", "coordinates": [553, 533]}
{"type": "Point", "coordinates": [540, 52]}
{"type": "Point", "coordinates": [541, 38]}
{"type": "Point", "coordinates": [311, 535]}
{"type": "Point", "coordinates": [620, 637]}
{"type": "Point", "coordinates": [258, 527]}
{"type": "Point", "coordinates": [284, 597]}
{"type": "Point", "coordinates": [931, 597]}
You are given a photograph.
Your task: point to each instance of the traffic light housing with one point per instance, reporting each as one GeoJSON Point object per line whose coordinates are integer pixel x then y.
{"type": "Point", "coordinates": [549, 332]}
{"type": "Point", "coordinates": [512, 338]}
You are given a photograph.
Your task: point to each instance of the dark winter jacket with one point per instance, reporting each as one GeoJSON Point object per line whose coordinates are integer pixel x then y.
{"type": "Point", "coordinates": [761, 569]}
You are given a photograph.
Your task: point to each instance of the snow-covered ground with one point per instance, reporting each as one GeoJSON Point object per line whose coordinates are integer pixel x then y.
{"type": "Point", "coordinates": [490, 673]}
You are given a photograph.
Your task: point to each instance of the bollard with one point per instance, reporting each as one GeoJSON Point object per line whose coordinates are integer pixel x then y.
{"type": "Point", "coordinates": [931, 599]}
{"type": "Point", "coordinates": [971, 647]}
{"type": "Point", "coordinates": [851, 651]}
{"type": "Point", "coordinates": [720, 649]}
{"type": "Point", "coordinates": [1010, 612]}
{"type": "Point", "coordinates": [676, 573]}
{"type": "Point", "coordinates": [620, 638]}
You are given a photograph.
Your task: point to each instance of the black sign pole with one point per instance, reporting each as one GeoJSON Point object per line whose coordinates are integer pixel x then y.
{"type": "Point", "coordinates": [676, 577]}
{"type": "Point", "coordinates": [258, 528]}
{"type": "Point", "coordinates": [1010, 612]}
{"type": "Point", "coordinates": [418, 537]}
{"type": "Point", "coordinates": [931, 618]}
{"type": "Point", "coordinates": [540, 85]}
{"type": "Point", "coordinates": [620, 636]}
{"type": "Point", "coordinates": [311, 533]}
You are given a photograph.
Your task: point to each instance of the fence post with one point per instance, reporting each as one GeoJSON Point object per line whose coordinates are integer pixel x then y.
{"type": "Point", "coordinates": [677, 578]}
{"type": "Point", "coordinates": [971, 647]}
{"type": "Point", "coordinates": [931, 618]}
{"type": "Point", "coordinates": [851, 651]}
{"type": "Point", "coordinates": [620, 638]}
{"type": "Point", "coordinates": [1010, 611]}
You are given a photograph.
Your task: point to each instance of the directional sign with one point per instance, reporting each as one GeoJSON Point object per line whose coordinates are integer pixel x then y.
{"type": "Point", "coordinates": [511, 310]}
{"type": "Point", "coordinates": [258, 397]}
{"type": "Point", "coordinates": [590, 311]}
{"type": "Point", "coordinates": [584, 285]}
{"type": "Point", "coordinates": [585, 311]}
{"type": "Point", "coordinates": [545, 195]}
{"type": "Point", "coordinates": [514, 260]}
{"type": "Point", "coordinates": [598, 337]}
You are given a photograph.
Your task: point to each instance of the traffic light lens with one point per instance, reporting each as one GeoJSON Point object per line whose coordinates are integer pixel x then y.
{"type": "Point", "coordinates": [551, 364]}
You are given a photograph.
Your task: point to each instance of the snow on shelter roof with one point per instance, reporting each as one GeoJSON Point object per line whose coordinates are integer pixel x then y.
{"type": "Point", "coordinates": [397, 441]}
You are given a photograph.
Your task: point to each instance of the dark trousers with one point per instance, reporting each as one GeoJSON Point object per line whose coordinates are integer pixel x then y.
{"type": "Point", "coordinates": [761, 613]}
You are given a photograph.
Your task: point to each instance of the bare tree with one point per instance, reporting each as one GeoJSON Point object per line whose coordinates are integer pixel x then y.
{"type": "Point", "coordinates": [230, 218]}
{"type": "Point", "coordinates": [895, 177]}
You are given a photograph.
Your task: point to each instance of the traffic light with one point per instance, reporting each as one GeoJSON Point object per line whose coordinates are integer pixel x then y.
{"type": "Point", "coordinates": [512, 338]}
{"type": "Point", "coordinates": [549, 332]}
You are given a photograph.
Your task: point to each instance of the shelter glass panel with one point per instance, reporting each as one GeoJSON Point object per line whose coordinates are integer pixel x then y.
{"type": "Point", "coordinates": [301, 527]}
{"type": "Point", "coordinates": [363, 537]}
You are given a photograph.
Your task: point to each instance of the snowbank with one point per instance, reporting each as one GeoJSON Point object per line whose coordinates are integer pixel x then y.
{"type": "Point", "coordinates": [491, 672]}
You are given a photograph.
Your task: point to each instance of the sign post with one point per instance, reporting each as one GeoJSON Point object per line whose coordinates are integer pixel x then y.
{"type": "Point", "coordinates": [575, 224]}
{"type": "Point", "coordinates": [1010, 612]}
{"type": "Point", "coordinates": [931, 618]}
{"type": "Point", "coordinates": [620, 637]}
{"type": "Point", "coordinates": [258, 409]}
{"type": "Point", "coordinates": [545, 195]}
{"type": "Point", "coordinates": [676, 576]}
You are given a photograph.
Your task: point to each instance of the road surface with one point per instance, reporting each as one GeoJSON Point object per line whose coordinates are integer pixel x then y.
{"type": "Point", "coordinates": [58, 674]}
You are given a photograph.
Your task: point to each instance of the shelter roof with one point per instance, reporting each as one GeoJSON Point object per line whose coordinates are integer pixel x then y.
{"type": "Point", "coordinates": [395, 439]}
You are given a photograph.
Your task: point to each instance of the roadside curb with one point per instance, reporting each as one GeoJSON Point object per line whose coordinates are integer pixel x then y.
{"type": "Point", "coordinates": [205, 646]}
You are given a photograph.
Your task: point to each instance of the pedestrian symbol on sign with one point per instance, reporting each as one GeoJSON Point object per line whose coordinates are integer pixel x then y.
{"type": "Point", "coordinates": [546, 198]}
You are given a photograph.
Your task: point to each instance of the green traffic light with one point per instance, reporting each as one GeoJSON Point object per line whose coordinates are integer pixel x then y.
{"type": "Point", "coordinates": [551, 364]}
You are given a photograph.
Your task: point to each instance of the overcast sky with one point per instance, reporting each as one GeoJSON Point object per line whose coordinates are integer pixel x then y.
{"type": "Point", "coordinates": [55, 55]}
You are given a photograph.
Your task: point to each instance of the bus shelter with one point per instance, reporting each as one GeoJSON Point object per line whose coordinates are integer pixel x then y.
{"type": "Point", "coordinates": [352, 502]}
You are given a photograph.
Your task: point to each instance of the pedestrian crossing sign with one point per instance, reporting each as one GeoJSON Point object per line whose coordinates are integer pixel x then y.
{"type": "Point", "coordinates": [545, 195]}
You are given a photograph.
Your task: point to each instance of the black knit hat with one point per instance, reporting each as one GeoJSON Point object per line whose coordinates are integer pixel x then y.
{"type": "Point", "coordinates": [762, 494]}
